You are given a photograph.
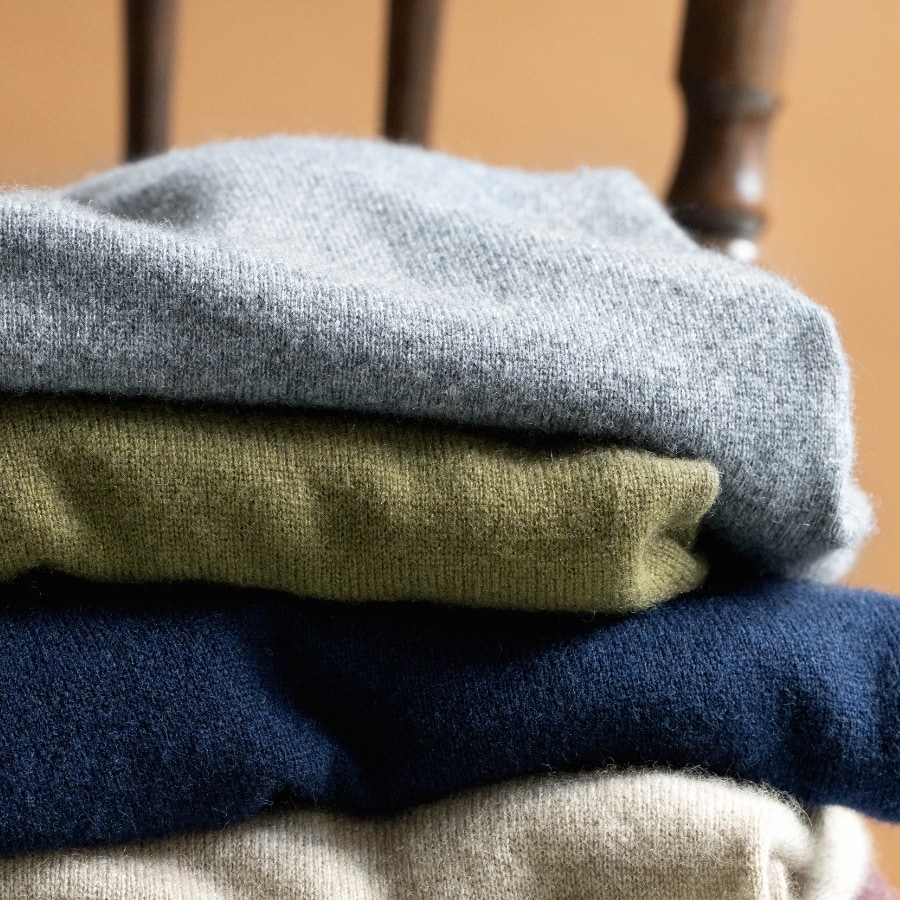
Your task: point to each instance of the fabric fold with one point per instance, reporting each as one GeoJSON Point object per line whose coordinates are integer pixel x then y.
{"type": "Point", "coordinates": [376, 278]}
{"type": "Point", "coordinates": [343, 508]}
{"type": "Point", "coordinates": [604, 836]}
{"type": "Point", "coordinates": [130, 712]}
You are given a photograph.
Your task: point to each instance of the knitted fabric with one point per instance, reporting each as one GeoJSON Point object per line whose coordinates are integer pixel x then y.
{"type": "Point", "coordinates": [343, 508]}
{"type": "Point", "coordinates": [610, 836]}
{"type": "Point", "coordinates": [372, 277]}
{"type": "Point", "coordinates": [146, 712]}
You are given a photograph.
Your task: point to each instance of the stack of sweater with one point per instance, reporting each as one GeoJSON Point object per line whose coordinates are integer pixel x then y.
{"type": "Point", "coordinates": [381, 524]}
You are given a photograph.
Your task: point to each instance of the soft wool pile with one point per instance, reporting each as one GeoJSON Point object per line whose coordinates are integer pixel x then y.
{"type": "Point", "coordinates": [257, 390]}
{"type": "Point", "coordinates": [364, 276]}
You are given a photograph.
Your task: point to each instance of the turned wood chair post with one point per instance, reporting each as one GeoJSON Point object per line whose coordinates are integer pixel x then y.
{"type": "Point", "coordinates": [413, 33]}
{"type": "Point", "coordinates": [149, 41]}
{"type": "Point", "coordinates": [731, 56]}
{"type": "Point", "coordinates": [730, 61]}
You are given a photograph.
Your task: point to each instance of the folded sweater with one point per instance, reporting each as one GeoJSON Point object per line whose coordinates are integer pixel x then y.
{"type": "Point", "coordinates": [343, 508]}
{"type": "Point", "coordinates": [372, 277]}
{"type": "Point", "coordinates": [144, 712]}
{"type": "Point", "coordinates": [606, 836]}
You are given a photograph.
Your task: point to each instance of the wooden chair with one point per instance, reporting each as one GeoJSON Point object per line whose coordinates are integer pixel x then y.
{"type": "Point", "coordinates": [730, 56]}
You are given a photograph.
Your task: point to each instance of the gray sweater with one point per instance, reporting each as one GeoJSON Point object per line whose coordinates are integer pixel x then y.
{"type": "Point", "coordinates": [378, 278]}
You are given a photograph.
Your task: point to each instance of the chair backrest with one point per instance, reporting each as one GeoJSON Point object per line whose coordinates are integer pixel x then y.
{"type": "Point", "coordinates": [730, 60]}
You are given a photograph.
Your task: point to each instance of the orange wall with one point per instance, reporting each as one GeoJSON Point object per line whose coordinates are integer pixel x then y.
{"type": "Point", "coordinates": [590, 84]}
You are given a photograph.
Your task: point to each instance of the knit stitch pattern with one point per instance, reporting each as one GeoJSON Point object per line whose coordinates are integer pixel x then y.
{"type": "Point", "coordinates": [343, 508]}
{"type": "Point", "coordinates": [605, 836]}
{"type": "Point", "coordinates": [145, 712]}
{"type": "Point", "coordinates": [377, 278]}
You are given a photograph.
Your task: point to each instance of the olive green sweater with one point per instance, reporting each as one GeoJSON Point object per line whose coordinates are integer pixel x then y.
{"type": "Point", "coordinates": [343, 508]}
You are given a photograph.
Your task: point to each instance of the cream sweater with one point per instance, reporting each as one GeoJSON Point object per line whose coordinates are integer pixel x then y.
{"type": "Point", "coordinates": [598, 836]}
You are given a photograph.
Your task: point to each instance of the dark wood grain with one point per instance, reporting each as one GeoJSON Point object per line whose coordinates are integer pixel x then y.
{"type": "Point", "coordinates": [730, 63]}
{"type": "Point", "coordinates": [412, 53]}
{"type": "Point", "coordinates": [150, 38]}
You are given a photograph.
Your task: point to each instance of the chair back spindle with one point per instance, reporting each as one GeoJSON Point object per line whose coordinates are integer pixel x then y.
{"type": "Point", "coordinates": [730, 62]}
{"type": "Point", "coordinates": [413, 33]}
{"type": "Point", "coordinates": [149, 36]}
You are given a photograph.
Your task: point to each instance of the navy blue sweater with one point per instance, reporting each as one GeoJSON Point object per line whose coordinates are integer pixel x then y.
{"type": "Point", "coordinates": [150, 711]}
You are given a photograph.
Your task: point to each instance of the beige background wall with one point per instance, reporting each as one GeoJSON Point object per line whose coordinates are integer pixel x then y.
{"type": "Point", "coordinates": [589, 84]}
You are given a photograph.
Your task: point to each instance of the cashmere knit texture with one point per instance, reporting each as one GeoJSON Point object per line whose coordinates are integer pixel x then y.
{"type": "Point", "coordinates": [343, 508]}
{"type": "Point", "coordinates": [607, 836]}
{"type": "Point", "coordinates": [152, 711]}
{"type": "Point", "coordinates": [378, 278]}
